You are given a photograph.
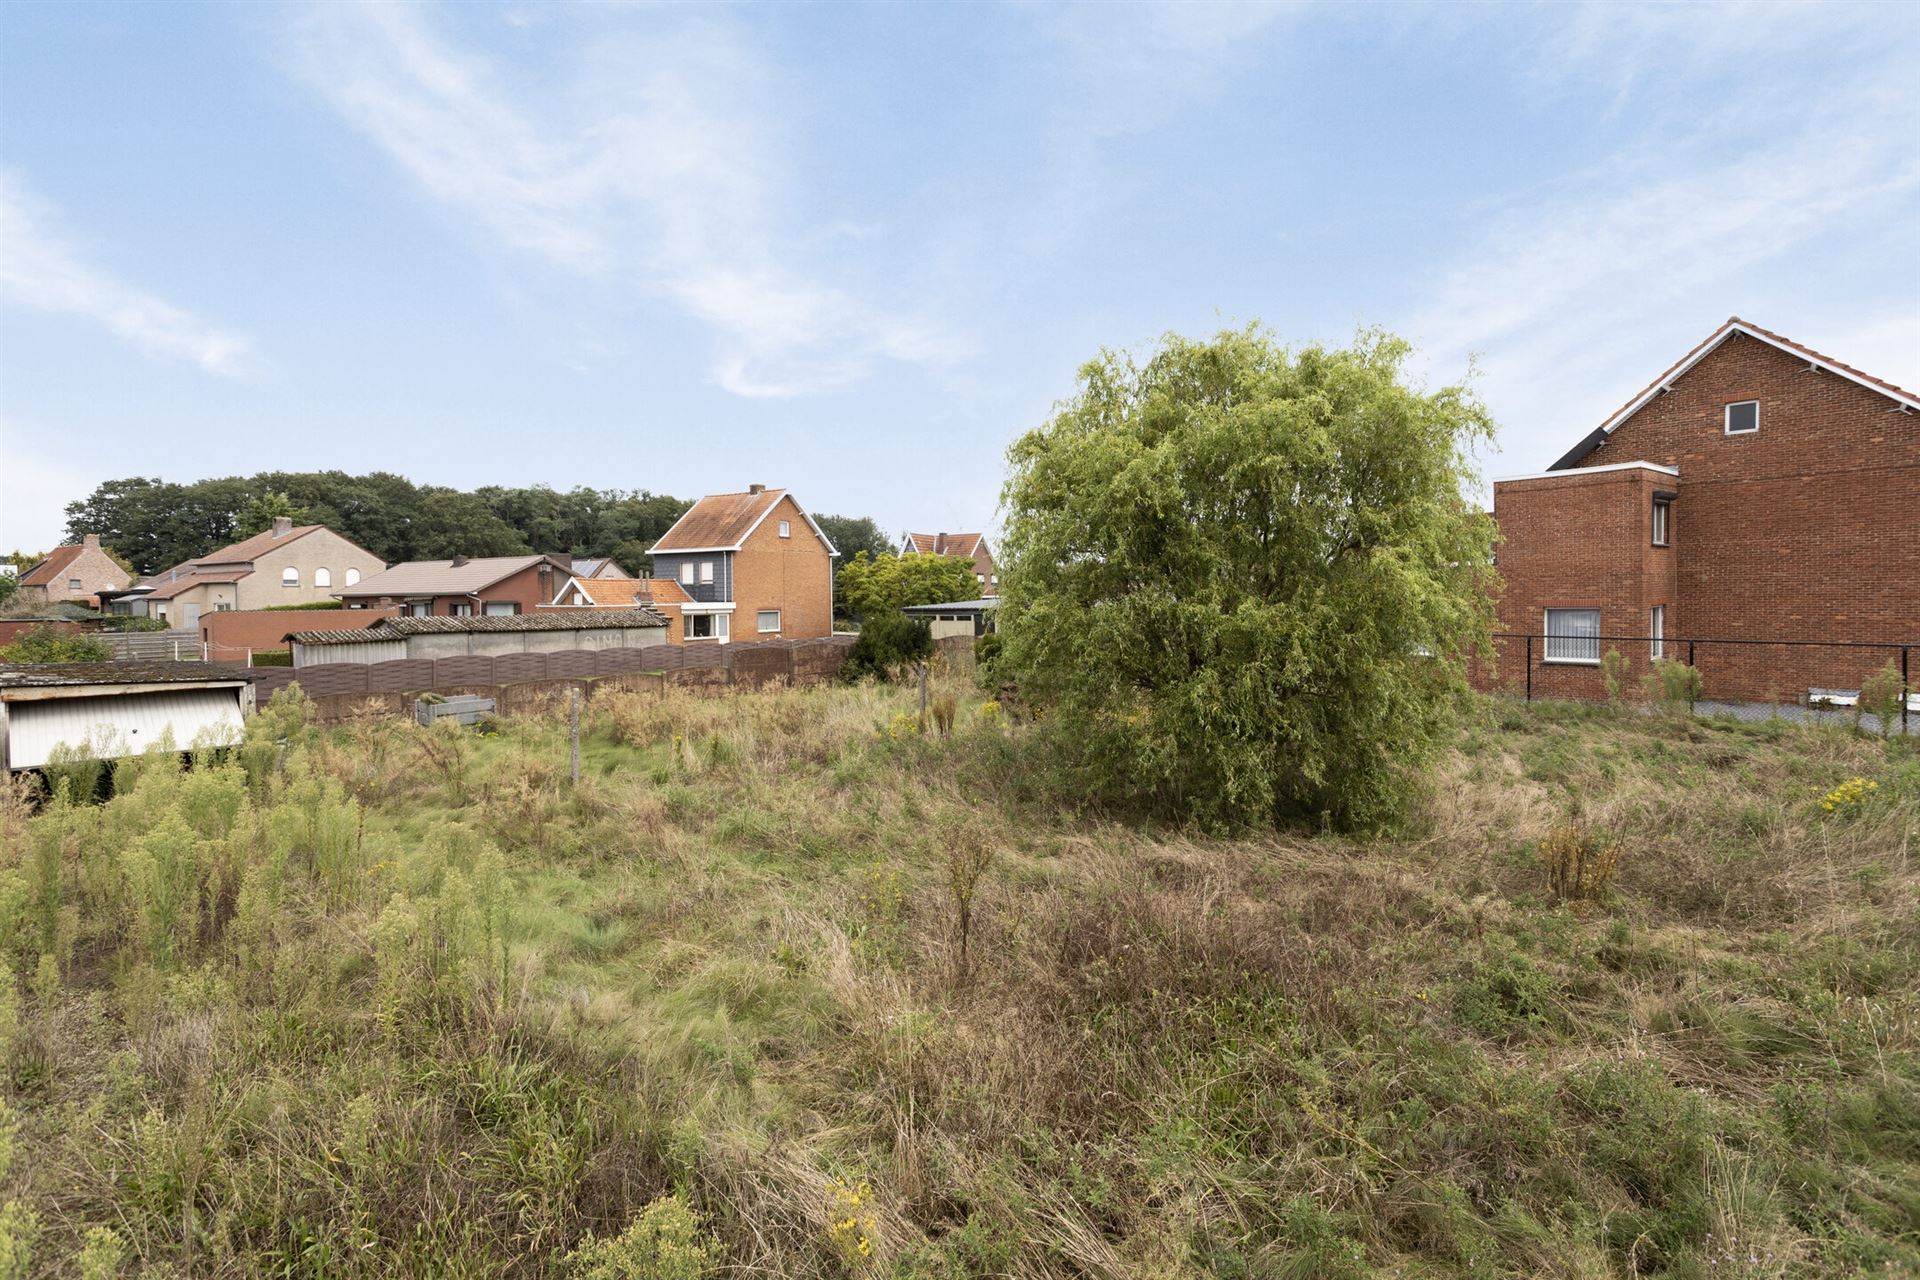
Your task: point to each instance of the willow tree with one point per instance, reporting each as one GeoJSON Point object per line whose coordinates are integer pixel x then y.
{"type": "Point", "coordinates": [1240, 582]}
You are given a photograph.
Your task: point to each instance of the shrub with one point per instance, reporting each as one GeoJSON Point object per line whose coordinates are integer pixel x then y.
{"type": "Point", "coordinates": [1672, 686]}
{"type": "Point", "coordinates": [48, 643]}
{"type": "Point", "coordinates": [1613, 671]}
{"type": "Point", "coordinates": [1882, 694]}
{"type": "Point", "coordinates": [273, 657]}
{"type": "Point", "coordinates": [986, 656]}
{"type": "Point", "coordinates": [665, 1241]}
{"type": "Point", "coordinates": [1580, 864]}
{"type": "Point", "coordinates": [888, 642]}
{"type": "Point", "coordinates": [1240, 581]}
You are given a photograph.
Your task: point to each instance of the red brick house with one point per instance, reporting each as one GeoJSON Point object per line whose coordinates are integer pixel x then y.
{"type": "Point", "coordinates": [968, 546]}
{"type": "Point", "coordinates": [79, 572]}
{"type": "Point", "coordinates": [1756, 490]}
{"type": "Point", "coordinates": [754, 566]}
{"type": "Point", "coordinates": [485, 586]}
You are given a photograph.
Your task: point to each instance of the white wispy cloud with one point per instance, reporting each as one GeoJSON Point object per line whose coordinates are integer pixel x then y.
{"type": "Point", "coordinates": [1580, 289]}
{"type": "Point", "coordinates": [42, 270]}
{"type": "Point", "coordinates": [655, 162]}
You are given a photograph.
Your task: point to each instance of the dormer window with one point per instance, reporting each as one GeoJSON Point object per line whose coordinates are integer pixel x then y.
{"type": "Point", "coordinates": [1743, 417]}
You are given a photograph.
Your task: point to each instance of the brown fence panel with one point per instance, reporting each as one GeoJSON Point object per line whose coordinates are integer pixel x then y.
{"type": "Point", "coordinates": [613, 662]}
{"type": "Point", "coordinates": [328, 679]}
{"type": "Point", "coordinates": [512, 668]}
{"type": "Point", "coordinates": [400, 676]}
{"type": "Point", "coordinates": [268, 681]}
{"type": "Point", "coordinates": [756, 665]}
{"type": "Point", "coordinates": [570, 664]}
{"type": "Point", "coordinates": [471, 668]}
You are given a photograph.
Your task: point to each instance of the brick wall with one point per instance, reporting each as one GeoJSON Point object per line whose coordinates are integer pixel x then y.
{"type": "Point", "coordinates": [1808, 529]}
{"type": "Point", "coordinates": [792, 574]}
{"type": "Point", "coordinates": [230, 635]}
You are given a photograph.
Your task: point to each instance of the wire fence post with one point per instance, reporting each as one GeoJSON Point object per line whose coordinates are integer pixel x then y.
{"type": "Point", "coordinates": [1529, 666]}
{"type": "Point", "coordinates": [1690, 685]}
{"type": "Point", "coordinates": [1906, 689]}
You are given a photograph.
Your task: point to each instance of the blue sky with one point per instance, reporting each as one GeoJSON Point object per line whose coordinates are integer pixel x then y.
{"type": "Point", "coordinates": [857, 249]}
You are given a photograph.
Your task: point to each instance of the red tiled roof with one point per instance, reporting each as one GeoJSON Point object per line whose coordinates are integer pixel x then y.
{"type": "Point", "coordinates": [946, 544]}
{"type": "Point", "coordinates": [247, 550]}
{"type": "Point", "coordinates": [188, 581]}
{"type": "Point", "coordinates": [49, 570]}
{"type": "Point", "coordinates": [625, 593]}
{"type": "Point", "coordinates": [719, 521]}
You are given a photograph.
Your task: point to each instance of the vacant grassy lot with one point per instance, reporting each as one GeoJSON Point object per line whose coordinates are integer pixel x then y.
{"type": "Point", "coordinates": [378, 1001]}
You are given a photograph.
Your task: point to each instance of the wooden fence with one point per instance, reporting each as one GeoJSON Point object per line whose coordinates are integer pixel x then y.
{"type": "Point", "coordinates": [753, 663]}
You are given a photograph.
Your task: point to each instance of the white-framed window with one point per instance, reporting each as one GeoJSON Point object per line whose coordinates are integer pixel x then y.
{"type": "Point", "coordinates": [686, 572]}
{"type": "Point", "coordinates": [786, 529]}
{"type": "Point", "coordinates": [1659, 631]}
{"type": "Point", "coordinates": [460, 609]}
{"type": "Point", "coordinates": [289, 577]}
{"type": "Point", "coordinates": [1662, 521]}
{"type": "Point", "coordinates": [73, 584]}
{"type": "Point", "coordinates": [706, 571]}
{"type": "Point", "coordinates": [1573, 635]}
{"type": "Point", "coordinates": [500, 608]}
{"type": "Point", "coordinates": [323, 577]}
{"type": "Point", "coordinates": [1743, 417]}
{"type": "Point", "coordinates": [704, 626]}
{"type": "Point", "coordinates": [768, 620]}
{"type": "Point", "coordinates": [353, 577]}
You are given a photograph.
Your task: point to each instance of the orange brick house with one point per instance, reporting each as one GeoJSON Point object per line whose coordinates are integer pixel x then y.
{"type": "Point", "coordinates": [754, 566]}
{"type": "Point", "coordinates": [1755, 491]}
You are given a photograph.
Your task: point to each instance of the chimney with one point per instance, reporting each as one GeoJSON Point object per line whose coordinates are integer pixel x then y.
{"type": "Point", "coordinates": [756, 488]}
{"type": "Point", "coordinates": [282, 526]}
{"type": "Point", "coordinates": [90, 541]}
{"type": "Point", "coordinates": [456, 562]}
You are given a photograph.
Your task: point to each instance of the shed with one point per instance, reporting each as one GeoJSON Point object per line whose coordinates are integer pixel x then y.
{"type": "Point", "coordinates": [119, 708]}
{"type": "Point", "coordinates": [392, 639]}
{"type": "Point", "coordinates": [957, 617]}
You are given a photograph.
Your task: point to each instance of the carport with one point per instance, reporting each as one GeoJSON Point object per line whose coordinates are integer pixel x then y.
{"type": "Point", "coordinates": [119, 708]}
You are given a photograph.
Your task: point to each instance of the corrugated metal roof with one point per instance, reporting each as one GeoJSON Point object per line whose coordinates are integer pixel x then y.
{"type": "Point", "coordinates": [955, 606]}
{"type": "Point", "coordinates": [443, 577]}
{"type": "Point", "coordinates": [390, 628]}
{"type": "Point", "coordinates": [49, 675]}
{"type": "Point", "coordinates": [122, 724]}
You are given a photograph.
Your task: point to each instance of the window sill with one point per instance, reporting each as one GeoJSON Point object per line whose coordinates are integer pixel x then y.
{"type": "Point", "coordinates": [1570, 662]}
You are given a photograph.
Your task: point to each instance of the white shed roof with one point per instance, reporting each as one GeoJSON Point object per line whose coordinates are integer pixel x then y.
{"type": "Point", "coordinates": [121, 724]}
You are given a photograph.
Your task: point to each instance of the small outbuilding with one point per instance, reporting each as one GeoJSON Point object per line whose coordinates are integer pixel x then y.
{"type": "Point", "coordinates": [392, 639]}
{"type": "Point", "coordinates": [117, 709]}
{"type": "Point", "coordinates": [956, 618]}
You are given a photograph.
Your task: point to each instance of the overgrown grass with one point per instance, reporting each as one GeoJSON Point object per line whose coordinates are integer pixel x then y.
{"type": "Point", "coordinates": [381, 1001]}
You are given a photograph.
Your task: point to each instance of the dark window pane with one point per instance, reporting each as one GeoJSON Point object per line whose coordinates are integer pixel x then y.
{"type": "Point", "coordinates": [1744, 416]}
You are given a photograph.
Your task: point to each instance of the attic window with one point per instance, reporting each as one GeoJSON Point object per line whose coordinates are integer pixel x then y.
{"type": "Point", "coordinates": [289, 577]}
{"type": "Point", "coordinates": [786, 529]}
{"type": "Point", "coordinates": [1743, 417]}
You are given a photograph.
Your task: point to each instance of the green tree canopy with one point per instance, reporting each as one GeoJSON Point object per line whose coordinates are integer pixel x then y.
{"type": "Point", "coordinates": [261, 511]}
{"type": "Point", "coordinates": [850, 535]}
{"type": "Point", "coordinates": [55, 644]}
{"type": "Point", "coordinates": [1242, 582]}
{"type": "Point", "coordinates": [888, 584]}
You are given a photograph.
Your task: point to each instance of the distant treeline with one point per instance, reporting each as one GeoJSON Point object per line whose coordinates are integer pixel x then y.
{"type": "Point", "coordinates": [154, 524]}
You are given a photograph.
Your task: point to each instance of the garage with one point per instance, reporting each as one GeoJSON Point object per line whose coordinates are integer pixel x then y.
{"type": "Point", "coordinates": [119, 708]}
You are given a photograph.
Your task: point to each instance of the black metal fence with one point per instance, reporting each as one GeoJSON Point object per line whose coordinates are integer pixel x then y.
{"type": "Point", "coordinates": [1817, 681]}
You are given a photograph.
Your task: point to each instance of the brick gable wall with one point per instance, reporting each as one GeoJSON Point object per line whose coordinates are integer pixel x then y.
{"type": "Point", "coordinates": [792, 574]}
{"type": "Point", "coordinates": [1808, 529]}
